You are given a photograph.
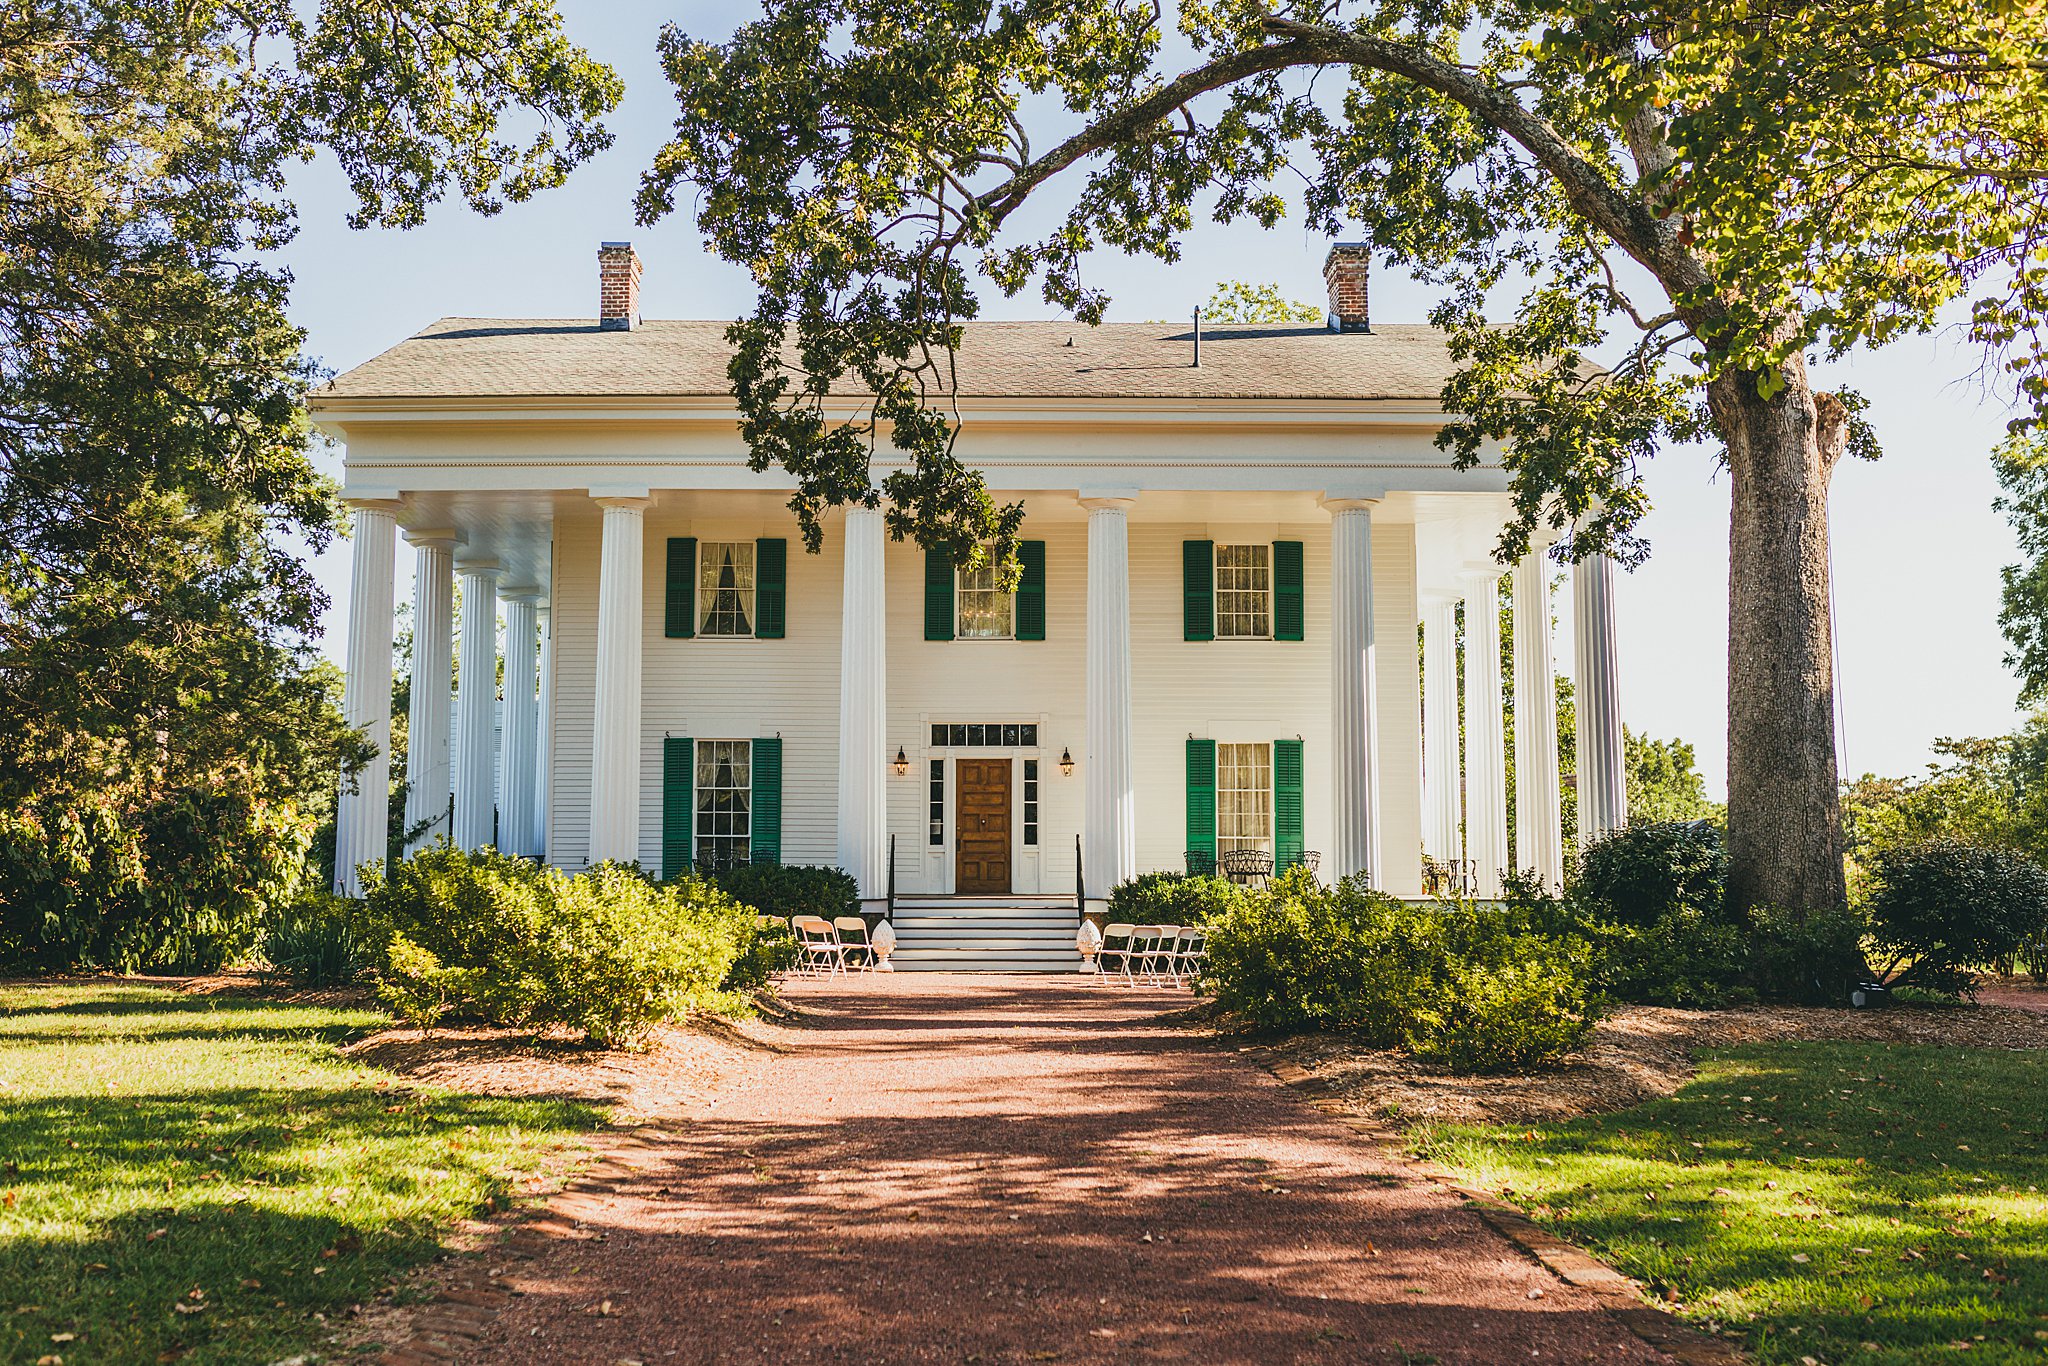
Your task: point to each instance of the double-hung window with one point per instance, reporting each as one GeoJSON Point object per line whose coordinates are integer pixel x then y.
{"type": "Point", "coordinates": [725, 800]}
{"type": "Point", "coordinates": [1244, 592]}
{"type": "Point", "coordinates": [725, 588]}
{"type": "Point", "coordinates": [988, 611]}
{"type": "Point", "coordinates": [1244, 797]}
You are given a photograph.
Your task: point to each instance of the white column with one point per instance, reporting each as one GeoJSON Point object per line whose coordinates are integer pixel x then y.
{"type": "Point", "coordinates": [1442, 779]}
{"type": "Point", "coordinates": [522, 721]}
{"type": "Point", "coordinates": [476, 708]}
{"type": "Point", "coordinates": [1539, 835]}
{"type": "Point", "coordinates": [427, 785]}
{"type": "Point", "coordinates": [1354, 759]}
{"type": "Point", "coordinates": [543, 745]}
{"type": "Point", "coordinates": [864, 708]}
{"type": "Point", "coordinates": [1603, 781]}
{"type": "Point", "coordinates": [362, 817]}
{"type": "Point", "coordinates": [1486, 781]}
{"type": "Point", "coordinates": [615, 719]}
{"type": "Point", "coordinates": [1109, 822]}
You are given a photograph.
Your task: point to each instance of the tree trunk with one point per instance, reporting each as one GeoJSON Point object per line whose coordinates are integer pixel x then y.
{"type": "Point", "coordinates": [1784, 807]}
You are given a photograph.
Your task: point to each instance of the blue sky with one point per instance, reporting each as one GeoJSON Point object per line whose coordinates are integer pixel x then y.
{"type": "Point", "coordinates": [1917, 546]}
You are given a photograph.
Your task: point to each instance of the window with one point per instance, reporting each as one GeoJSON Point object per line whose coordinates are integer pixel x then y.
{"type": "Point", "coordinates": [1031, 801]}
{"type": "Point", "coordinates": [987, 610]}
{"type": "Point", "coordinates": [725, 588]}
{"type": "Point", "coordinates": [725, 800]}
{"type": "Point", "coordinates": [938, 802]}
{"type": "Point", "coordinates": [1244, 797]}
{"type": "Point", "coordinates": [1244, 592]}
{"type": "Point", "coordinates": [996, 735]}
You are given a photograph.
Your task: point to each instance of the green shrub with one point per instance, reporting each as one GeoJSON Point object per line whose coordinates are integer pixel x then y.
{"type": "Point", "coordinates": [1942, 908]}
{"type": "Point", "coordinates": [784, 890]}
{"type": "Point", "coordinates": [607, 952]}
{"type": "Point", "coordinates": [312, 942]}
{"type": "Point", "coordinates": [1640, 874]}
{"type": "Point", "coordinates": [1684, 957]}
{"type": "Point", "coordinates": [1467, 985]}
{"type": "Point", "coordinates": [1804, 957]}
{"type": "Point", "coordinates": [772, 949]}
{"type": "Point", "coordinates": [1171, 899]}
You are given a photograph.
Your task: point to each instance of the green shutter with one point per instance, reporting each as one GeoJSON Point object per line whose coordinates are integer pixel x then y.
{"type": "Point", "coordinates": [1202, 798]}
{"type": "Point", "coordinates": [678, 802]}
{"type": "Point", "coordinates": [1287, 839]}
{"type": "Point", "coordinates": [771, 586]}
{"type": "Point", "coordinates": [938, 594]}
{"type": "Point", "coordinates": [765, 815]}
{"type": "Point", "coordinates": [681, 614]}
{"type": "Point", "coordinates": [1198, 590]}
{"type": "Point", "coordinates": [1287, 592]}
{"type": "Point", "coordinates": [1031, 591]}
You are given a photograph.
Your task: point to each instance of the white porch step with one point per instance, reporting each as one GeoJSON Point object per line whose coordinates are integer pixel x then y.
{"type": "Point", "coordinates": [1032, 933]}
{"type": "Point", "coordinates": [948, 923]}
{"type": "Point", "coordinates": [990, 943]}
{"type": "Point", "coordinates": [980, 960]}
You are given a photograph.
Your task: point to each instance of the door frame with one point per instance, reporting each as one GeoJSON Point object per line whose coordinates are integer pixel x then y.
{"type": "Point", "coordinates": [939, 863]}
{"type": "Point", "coordinates": [1010, 771]}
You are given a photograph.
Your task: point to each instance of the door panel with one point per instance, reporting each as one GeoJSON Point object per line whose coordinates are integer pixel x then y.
{"type": "Point", "coordinates": [981, 831]}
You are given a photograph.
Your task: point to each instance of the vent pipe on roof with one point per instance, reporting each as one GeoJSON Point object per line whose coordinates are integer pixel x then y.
{"type": "Point", "coordinates": [618, 286]}
{"type": "Point", "coordinates": [1346, 270]}
{"type": "Point", "coordinates": [1198, 339]}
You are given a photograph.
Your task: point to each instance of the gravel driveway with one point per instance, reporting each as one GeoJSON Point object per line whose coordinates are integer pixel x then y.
{"type": "Point", "coordinates": [955, 1168]}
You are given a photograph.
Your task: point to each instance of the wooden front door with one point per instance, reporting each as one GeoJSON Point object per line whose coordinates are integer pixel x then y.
{"type": "Point", "coordinates": [981, 842]}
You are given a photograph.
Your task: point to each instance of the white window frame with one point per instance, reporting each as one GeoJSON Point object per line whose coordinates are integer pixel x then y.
{"type": "Point", "coordinates": [1259, 574]}
{"type": "Point", "coordinates": [984, 589]}
{"type": "Point", "coordinates": [708, 563]}
{"type": "Point", "coordinates": [705, 846]}
{"type": "Point", "coordinates": [1237, 799]}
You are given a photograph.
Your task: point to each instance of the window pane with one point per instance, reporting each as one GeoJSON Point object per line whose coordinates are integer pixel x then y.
{"type": "Point", "coordinates": [1244, 796]}
{"type": "Point", "coordinates": [725, 588]}
{"type": "Point", "coordinates": [724, 802]}
{"type": "Point", "coordinates": [1028, 736]}
{"type": "Point", "coordinates": [1243, 591]}
{"type": "Point", "coordinates": [985, 610]}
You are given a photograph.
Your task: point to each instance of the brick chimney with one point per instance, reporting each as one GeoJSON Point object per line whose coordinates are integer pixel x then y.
{"type": "Point", "coordinates": [618, 286]}
{"type": "Point", "coordinates": [1347, 271]}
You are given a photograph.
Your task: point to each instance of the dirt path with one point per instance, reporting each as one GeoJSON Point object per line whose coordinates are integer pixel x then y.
{"type": "Point", "coordinates": [1002, 1169]}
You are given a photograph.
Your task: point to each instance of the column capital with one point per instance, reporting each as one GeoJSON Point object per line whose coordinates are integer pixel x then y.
{"type": "Point", "coordinates": [479, 569]}
{"type": "Point", "coordinates": [521, 594]}
{"type": "Point", "coordinates": [633, 497]}
{"type": "Point", "coordinates": [436, 538]}
{"type": "Point", "coordinates": [389, 503]}
{"type": "Point", "coordinates": [1477, 572]}
{"type": "Point", "coordinates": [1337, 505]}
{"type": "Point", "coordinates": [1107, 499]}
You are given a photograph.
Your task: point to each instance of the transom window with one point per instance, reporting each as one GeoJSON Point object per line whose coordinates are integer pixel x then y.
{"type": "Point", "coordinates": [725, 588]}
{"type": "Point", "coordinates": [1244, 797]}
{"type": "Point", "coordinates": [990, 735]}
{"type": "Point", "coordinates": [725, 801]}
{"type": "Point", "coordinates": [987, 610]}
{"type": "Point", "coordinates": [1244, 592]}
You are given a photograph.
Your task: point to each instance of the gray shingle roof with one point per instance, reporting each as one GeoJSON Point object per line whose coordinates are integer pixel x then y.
{"type": "Point", "coordinates": [458, 358]}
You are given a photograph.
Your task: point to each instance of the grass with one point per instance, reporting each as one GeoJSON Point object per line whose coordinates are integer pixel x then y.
{"type": "Point", "coordinates": [1830, 1202]}
{"type": "Point", "coordinates": [206, 1180]}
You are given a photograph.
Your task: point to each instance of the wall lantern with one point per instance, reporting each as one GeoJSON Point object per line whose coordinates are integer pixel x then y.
{"type": "Point", "coordinates": [1066, 761]}
{"type": "Point", "coordinates": [902, 763]}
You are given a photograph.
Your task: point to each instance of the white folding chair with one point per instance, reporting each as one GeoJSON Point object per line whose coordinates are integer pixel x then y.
{"type": "Point", "coordinates": [853, 941]}
{"type": "Point", "coordinates": [1116, 948]}
{"type": "Point", "coordinates": [1191, 953]}
{"type": "Point", "coordinates": [1158, 961]}
{"type": "Point", "coordinates": [818, 942]}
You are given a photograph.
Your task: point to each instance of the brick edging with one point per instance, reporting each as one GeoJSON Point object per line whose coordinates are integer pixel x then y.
{"type": "Point", "coordinates": [449, 1324]}
{"type": "Point", "coordinates": [1621, 1296]}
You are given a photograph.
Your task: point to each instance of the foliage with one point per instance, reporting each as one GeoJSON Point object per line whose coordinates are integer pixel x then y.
{"type": "Point", "coordinates": [1805, 957]}
{"type": "Point", "coordinates": [312, 942]}
{"type": "Point", "coordinates": [184, 882]}
{"type": "Point", "coordinates": [1684, 957]}
{"type": "Point", "coordinates": [2021, 464]}
{"type": "Point", "coordinates": [1473, 987]}
{"type": "Point", "coordinates": [1824, 1201]}
{"type": "Point", "coordinates": [1169, 898]}
{"type": "Point", "coordinates": [607, 952]}
{"type": "Point", "coordinates": [157, 607]}
{"type": "Point", "coordinates": [1943, 908]}
{"type": "Point", "coordinates": [1240, 301]}
{"type": "Point", "coordinates": [1642, 872]}
{"type": "Point", "coordinates": [1664, 783]}
{"type": "Point", "coordinates": [784, 890]}
{"type": "Point", "coordinates": [170, 1150]}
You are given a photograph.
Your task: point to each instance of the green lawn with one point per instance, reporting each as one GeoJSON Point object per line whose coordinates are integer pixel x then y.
{"type": "Point", "coordinates": [1828, 1201]}
{"type": "Point", "coordinates": [202, 1179]}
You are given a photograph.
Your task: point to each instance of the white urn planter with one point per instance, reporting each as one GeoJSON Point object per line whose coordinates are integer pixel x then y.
{"type": "Point", "coordinates": [1088, 943]}
{"type": "Point", "coordinates": [883, 940]}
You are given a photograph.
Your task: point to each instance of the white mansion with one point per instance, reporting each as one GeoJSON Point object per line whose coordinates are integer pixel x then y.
{"type": "Point", "coordinates": [1213, 646]}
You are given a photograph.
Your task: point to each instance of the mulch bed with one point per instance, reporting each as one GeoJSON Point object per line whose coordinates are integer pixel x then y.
{"type": "Point", "coordinates": [1636, 1054]}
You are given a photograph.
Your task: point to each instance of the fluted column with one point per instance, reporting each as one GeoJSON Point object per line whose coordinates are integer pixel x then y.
{"type": "Point", "coordinates": [543, 743]}
{"type": "Point", "coordinates": [1539, 833]}
{"type": "Point", "coordinates": [1109, 821]}
{"type": "Point", "coordinates": [1442, 778]}
{"type": "Point", "coordinates": [1354, 684]}
{"type": "Point", "coordinates": [476, 708]}
{"type": "Point", "coordinates": [864, 708]}
{"type": "Point", "coordinates": [427, 783]}
{"type": "Point", "coordinates": [522, 722]}
{"type": "Point", "coordinates": [1486, 797]}
{"type": "Point", "coordinates": [1603, 781]}
{"type": "Point", "coordinates": [362, 817]}
{"type": "Point", "coordinates": [615, 719]}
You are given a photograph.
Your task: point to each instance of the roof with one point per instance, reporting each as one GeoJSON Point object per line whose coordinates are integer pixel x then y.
{"type": "Point", "coordinates": [474, 358]}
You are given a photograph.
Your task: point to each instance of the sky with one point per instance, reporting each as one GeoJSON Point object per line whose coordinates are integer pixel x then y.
{"type": "Point", "coordinates": [1917, 546]}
